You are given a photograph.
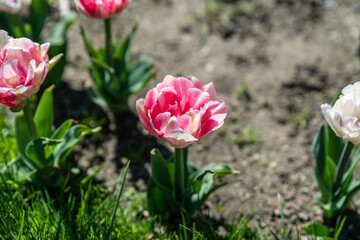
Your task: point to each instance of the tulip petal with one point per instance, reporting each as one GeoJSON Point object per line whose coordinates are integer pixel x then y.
{"type": "Point", "coordinates": [197, 98]}
{"type": "Point", "coordinates": [196, 83]}
{"type": "Point", "coordinates": [177, 137]}
{"type": "Point", "coordinates": [213, 118]}
{"type": "Point", "coordinates": [210, 89]}
{"type": "Point", "coordinates": [144, 119]}
{"type": "Point", "coordinates": [7, 97]}
{"type": "Point", "coordinates": [4, 38]}
{"type": "Point", "coordinates": [333, 118]}
{"type": "Point", "coordinates": [161, 121]}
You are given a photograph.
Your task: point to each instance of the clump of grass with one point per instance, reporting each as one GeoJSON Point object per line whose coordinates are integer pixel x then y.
{"type": "Point", "coordinates": [244, 93]}
{"type": "Point", "coordinates": [302, 117]}
{"type": "Point", "coordinates": [223, 15]}
{"type": "Point", "coordinates": [248, 136]}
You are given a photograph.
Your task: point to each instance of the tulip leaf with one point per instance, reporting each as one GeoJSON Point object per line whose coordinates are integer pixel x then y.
{"type": "Point", "coordinates": [159, 169]}
{"type": "Point", "coordinates": [60, 131]}
{"type": "Point", "coordinates": [98, 76]}
{"type": "Point", "coordinates": [219, 169]}
{"type": "Point", "coordinates": [122, 52]}
{"type": "Point", "coordinates": [37, 16]}
{"type": "Point", "coordinates": [91, 51]}
{"type": "Point", "coordinates": [47, 176]}
{"type": "Point", "coordinates": [96, 96]}
{"type": "Point", "coordinates": [70, 139]}
{"type": "Point", "coordinates": [191, 167]}
{"type": "Point", "coordinates": [202, 182]}
{"type": "Point", "coordinates": [349, 172]}
{"type": "Point", "coordinates": [58, 32]}
{"type": "Point", "coordinates": [202, 191]}
{"type": "Point", "coordinates": [44, 116]}
{"type": "Point", "coordinates": [39, 151]}
{"type": "Point", "coordinates": [198, 180]}
{"type": "Point", "coordinates": [329, 172]}
{"type": "Point", "coordinates": [139, 75]}
{"type": "Point", "coordinates": [318, 147]}
{"type": "Point", "coordinates": [335, 145]}
{"type": "Point", "coordinates": [58, 44]}
{"type": "Point", "coordinates": [317, 229]}
{"type": "Point", "coordinates": [23, 137]}
{"type": "Point", "coordinates": [4, 24]}
{"type": "Point", "coordinates": [161, 200]}
{"type": "Point", "coordinates": [22, 133]}
{"type": "Point", "coordinates": [13, 24]}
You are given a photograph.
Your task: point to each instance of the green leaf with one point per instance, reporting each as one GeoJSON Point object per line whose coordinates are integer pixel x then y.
{"type": "Point", "coordinates": [140, 73]}
{"type": "Point", "coordinates": [39, 152]}
{"type": "Point", "coordinates": [197, 199]}
{"type": "Point", "coordinates": [160, 201]}
{"type": "Point", "coordinates": [58, 33]}
{"type": "Point", "coordinates": [101, 64]}
{"type": "Point", "coordinates": [96, 96]}
{"type": "Point", "coordinates": [160, 172]}
{"type": "Point", "coordinates": [155, 199]}
{"type": "Point", "coordinates": [197, 182]}
{"type": "Point", "coordinates": [91, 51]}
{"type": "Point", "coordinates": [13, 24]}
{"type": "Point", "coordinates": [220, 169]}
{"type": "Point", "coordinates": [22, 133]}
{"type": "Point", "coordinates": [353, 188]}
{"type": "Point", "coordinates": [4, 24]}
{"type": "Point", "coordinates": [338, 228]}
{"type": "Point", "coordinates": [335, 145]}
{"type": "Point", "coordinates": [349, 172]}
{"type": "Point", "coordinates": [58, 44]}
{"type": "Point", "coordinates": [70, 139]}
{"type": "Point", "coordinates": [60, 131]}
{"type": "Point", "coordinates": [318, 147]}
{"type": "Point", "coordinates": [122, 52]}
{"type": "Point", "coordinates": [44, 117]}
{"type": "Point", "coordinates": [200, 177]}
{"type": "Point", "coordinates": [329, 172]}
{"type": "Point", "coordinates": [191, 167]}
{"type": "Point", "coordinates": [37, 16]}
{"type": "Point", "coordinates": [317, 229]}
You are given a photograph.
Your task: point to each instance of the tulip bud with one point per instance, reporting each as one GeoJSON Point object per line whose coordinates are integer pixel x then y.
{"type": "Point", "coordinates": [100, 9]}
{"type": "Point", "coordinates": [14, 6]}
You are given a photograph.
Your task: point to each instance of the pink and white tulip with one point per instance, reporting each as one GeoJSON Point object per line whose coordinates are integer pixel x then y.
{"type": "Point", "coordinates": [181, 110]}
{"type": "Point", "coordinates": [100, 8]}
{"type": "Point", "coordinates": [23, 67]}
{"type": "Point", "coordinates": [14, 6]}
{"type": "Point", "coordinates": [344, 116]}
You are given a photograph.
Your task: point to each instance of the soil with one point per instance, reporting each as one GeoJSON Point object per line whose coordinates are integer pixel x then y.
{"type": "Point", "coordinates": [274, 63]}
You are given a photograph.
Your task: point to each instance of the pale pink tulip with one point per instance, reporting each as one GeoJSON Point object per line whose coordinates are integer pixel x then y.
{"type": "Point", "coordinates": [100, 8]}
{"type": "Point", "coordinates": [23, 67]}
{"type": "Point", "coordinates": [181, 110]}
{"type": "Point", "coordinates": [344, 117]}
{"type": "Point", "coordinates": [14, 6]}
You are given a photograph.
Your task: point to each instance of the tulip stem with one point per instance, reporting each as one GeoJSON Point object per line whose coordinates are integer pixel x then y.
{"type": "Point", "coordinates": [180, 170]}
{"type": "Point", "coordinates": [343, 162]}
{"type": "Point", "coordinates": [108, 44]}
{"type": "Point", "coordinates": [29, 119]}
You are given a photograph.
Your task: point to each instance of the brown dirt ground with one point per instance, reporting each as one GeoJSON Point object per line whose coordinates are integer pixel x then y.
{"type": "Point", "coordinates": [291, 55]}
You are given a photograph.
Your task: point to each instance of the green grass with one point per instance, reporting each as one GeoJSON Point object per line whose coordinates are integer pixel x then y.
{"type": "Point", "coordinates": [90, 211]}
